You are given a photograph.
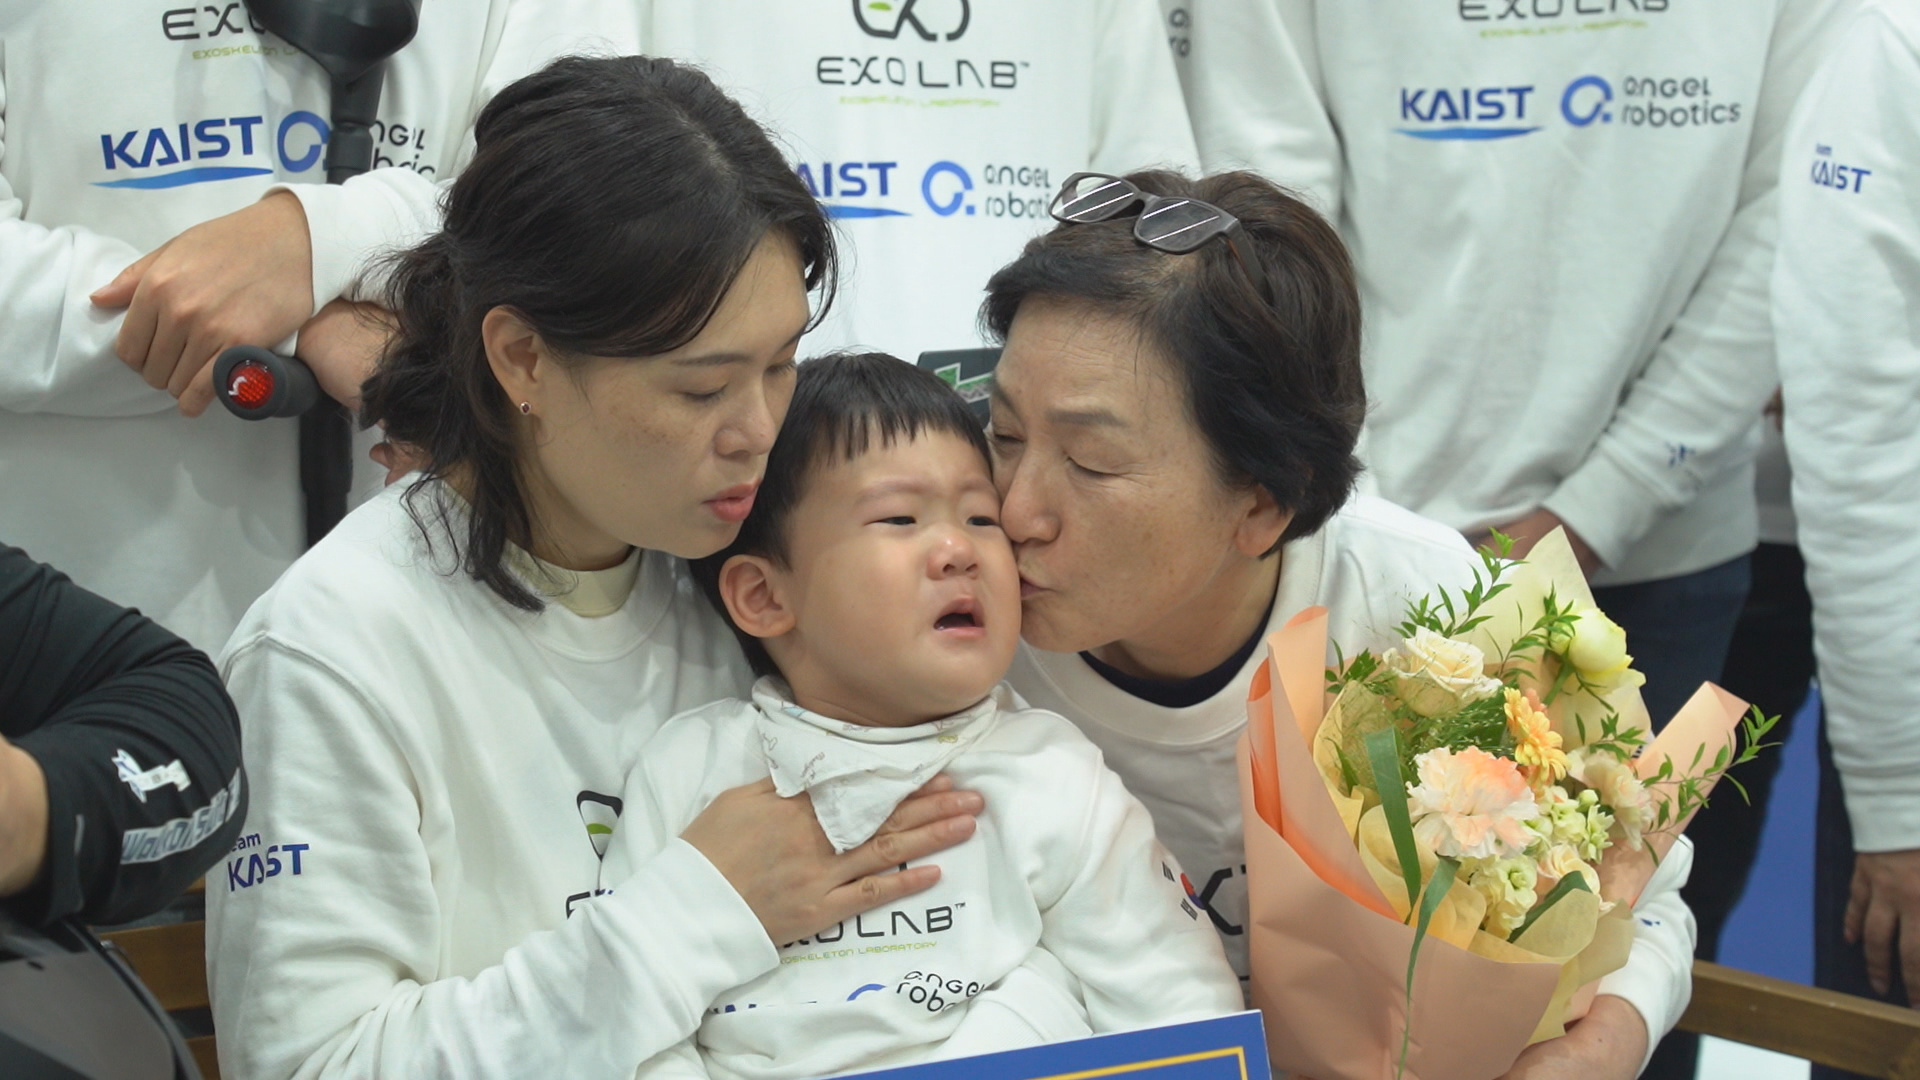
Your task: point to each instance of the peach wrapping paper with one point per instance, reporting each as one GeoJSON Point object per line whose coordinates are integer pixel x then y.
{"type": "Point", "coordinates": [1329, 957]}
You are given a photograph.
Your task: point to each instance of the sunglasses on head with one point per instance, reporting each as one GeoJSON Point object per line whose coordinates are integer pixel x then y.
{"type": "Point", "coordinates": [1174, 224]}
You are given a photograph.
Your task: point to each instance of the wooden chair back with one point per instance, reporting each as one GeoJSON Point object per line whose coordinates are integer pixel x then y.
{"type": "Point", "coordinates": [1836, 1030]}
{"type": "Point", "coordinates": [172, 961]}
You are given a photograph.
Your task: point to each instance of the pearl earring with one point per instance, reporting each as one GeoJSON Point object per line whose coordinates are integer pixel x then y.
{"type": "Point", "coordinates": [526, 408]}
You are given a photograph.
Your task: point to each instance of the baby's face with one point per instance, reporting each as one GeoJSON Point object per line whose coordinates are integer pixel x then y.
{"type": "Point", "coordinates": [901, 583]}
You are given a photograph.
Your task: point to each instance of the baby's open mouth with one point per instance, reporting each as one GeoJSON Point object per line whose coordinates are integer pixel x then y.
{"type": "Point", "coordinates": [961, 614]}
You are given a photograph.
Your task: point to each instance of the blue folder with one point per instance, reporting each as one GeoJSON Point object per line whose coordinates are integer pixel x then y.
{"type": "Point", "coordinates": [1227, 1048]}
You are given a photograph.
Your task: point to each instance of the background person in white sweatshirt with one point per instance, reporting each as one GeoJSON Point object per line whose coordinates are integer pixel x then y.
{"type": "Point", "coordinates": [594, 354]}
{"type": "Point", "coordinates": [935, 131]}
{"type": "Point", "coordinates": [1175, 454]}
{"type": "Point", "coordinates": [1845, 291]}
{"type": "Point", "coordinates": [130, 127]}
{"type": "Point", "coordinates": [876, 596]}
{"type": "Point", "coordinates": [1562, 222]}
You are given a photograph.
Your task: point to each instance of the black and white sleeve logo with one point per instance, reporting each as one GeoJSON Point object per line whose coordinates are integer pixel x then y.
{"type": "Point", "coordinates": [599, 813]}
{"type": "Point", "coordinates": [933, 20]}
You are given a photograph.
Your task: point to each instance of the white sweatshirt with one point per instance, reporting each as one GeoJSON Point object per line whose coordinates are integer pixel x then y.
{"type": "Point", "coordinates": [1064, 859]}
{"type": "Point", "coordinates": [121, 125]}
{"type": "Point", "coordinates": [429, 768]}
{"type": "Point", "coordinates": [936, 131]}
{"type": "Point", "coordinates": [1364, 566]}
{"type": "Point", "coordinates": [1562, 216]}
{"type": "Point", "coordinates": [1845, 293]}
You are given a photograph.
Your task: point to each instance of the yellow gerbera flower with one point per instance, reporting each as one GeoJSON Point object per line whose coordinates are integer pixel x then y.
{"type": "Point", "coordinates": [1536, 746]}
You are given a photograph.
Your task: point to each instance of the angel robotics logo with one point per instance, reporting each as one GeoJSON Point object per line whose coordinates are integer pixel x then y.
{"type": "Point", "coordinates": [932, 20]}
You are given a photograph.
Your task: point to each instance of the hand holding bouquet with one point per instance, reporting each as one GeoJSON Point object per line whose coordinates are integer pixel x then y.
{"type": "Point", "coordinates": [1490, 782]}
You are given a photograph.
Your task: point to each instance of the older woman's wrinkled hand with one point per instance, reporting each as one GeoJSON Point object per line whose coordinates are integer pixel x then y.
{"type": "Point", "coordinates": [1609, 1044]}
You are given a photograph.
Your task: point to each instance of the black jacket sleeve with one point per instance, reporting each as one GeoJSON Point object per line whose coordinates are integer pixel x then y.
{"type": "Point", "coordinates": [138, 739]}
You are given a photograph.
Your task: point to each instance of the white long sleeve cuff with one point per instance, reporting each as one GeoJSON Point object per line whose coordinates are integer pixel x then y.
{"type": "Point", "coordinates": [353, 225]}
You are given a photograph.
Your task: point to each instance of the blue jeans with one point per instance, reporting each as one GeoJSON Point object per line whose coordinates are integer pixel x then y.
{"type": "Point", "coordinates": [1678, 630]}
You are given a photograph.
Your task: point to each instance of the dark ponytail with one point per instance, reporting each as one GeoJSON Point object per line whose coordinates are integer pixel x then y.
{"type": "Point", "coordinates": [610, 203]}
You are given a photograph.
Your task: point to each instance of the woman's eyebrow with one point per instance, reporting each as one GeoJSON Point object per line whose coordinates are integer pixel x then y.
{"type": "Point", "coordinates": [1091, 416]}
{"type": "Point", "coordinates": [721, 359]}
{"type": "Point", "coordinates": [708, 360]}
{"type": "Point", "coordinates": [1086, 417]}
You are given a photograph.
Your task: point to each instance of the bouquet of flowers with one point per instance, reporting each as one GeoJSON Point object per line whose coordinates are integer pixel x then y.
{"type": "Point", "coordinates": [1491, 788]}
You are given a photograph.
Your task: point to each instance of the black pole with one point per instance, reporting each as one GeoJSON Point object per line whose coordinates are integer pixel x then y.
{"type": "Point", "coordinates": [351, 40]}
{"type": "Point", "coordinates": [326, 430]}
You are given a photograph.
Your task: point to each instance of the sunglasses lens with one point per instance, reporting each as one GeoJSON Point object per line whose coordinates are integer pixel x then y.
{"type": "Point", "coordinates": [1093, 198]}
{"type": "Point", "coordinates": [1180, 225]}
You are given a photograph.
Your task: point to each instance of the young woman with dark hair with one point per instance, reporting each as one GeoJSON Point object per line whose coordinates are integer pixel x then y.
{"type": "Point", "coordinates": [593, 357]}
{"type": "Point", "coordinates": [1174, 424]}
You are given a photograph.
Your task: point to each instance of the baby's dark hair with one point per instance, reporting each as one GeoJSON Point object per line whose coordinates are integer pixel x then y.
{"type": "Point", "coordinates": [843, 404]}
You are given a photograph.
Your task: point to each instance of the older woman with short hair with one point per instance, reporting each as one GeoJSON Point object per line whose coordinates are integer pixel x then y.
{"type": "Point", "coordinates": [1174, 421]}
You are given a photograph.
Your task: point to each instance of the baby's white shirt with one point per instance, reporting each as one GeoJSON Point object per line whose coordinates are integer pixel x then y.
{"type": "Point", "coordinates": [1064, 861]}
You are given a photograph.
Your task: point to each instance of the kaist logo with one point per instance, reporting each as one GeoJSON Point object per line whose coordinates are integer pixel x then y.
{"type": "Point", "coordinates": [246, 871]}
{"type": "Point", "coordinates": [1829, 173]}
{"type": "Point", "coordinates": [855, 180]}
{"type": "Point", "coordinates": [298, 141]}
{"type": "Point", "coordinates": [1475, 112]}
{"type": "Point", "coordinates": [886, 18]}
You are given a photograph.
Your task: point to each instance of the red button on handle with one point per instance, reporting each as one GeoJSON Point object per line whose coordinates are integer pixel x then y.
{"type": "Point", "coordinates": [255, 384]}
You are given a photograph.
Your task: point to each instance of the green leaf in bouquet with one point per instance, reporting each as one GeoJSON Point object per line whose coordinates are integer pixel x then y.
{"type": "Point", "coordinates": [1480, 723]}
{"type": "Point", "coordinates": [1690, 788]}
{"type": "Point", "coordinates": [1614, 739]}
{"type": "Point", "coordinates": [1443, 875]}
{"type": "Point", "coordinates": [1753, 728]}
{"type": "Point", "coordinates": [1358, 670]}
{"type": "Point", "coordinates": [1570, 883]}
{"type": "Point", "coordinates": [1450, 619]}
{"type": "Point", "coordinates": [1383, 754]}
{"type": "Point", "coordinates": [1349, 775]}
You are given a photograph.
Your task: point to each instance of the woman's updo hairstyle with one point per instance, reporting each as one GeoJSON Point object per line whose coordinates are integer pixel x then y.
{"type": "Point", "coordinates": [1275, 388]}
{"type": "Point", "coordinates": [611, 202]}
